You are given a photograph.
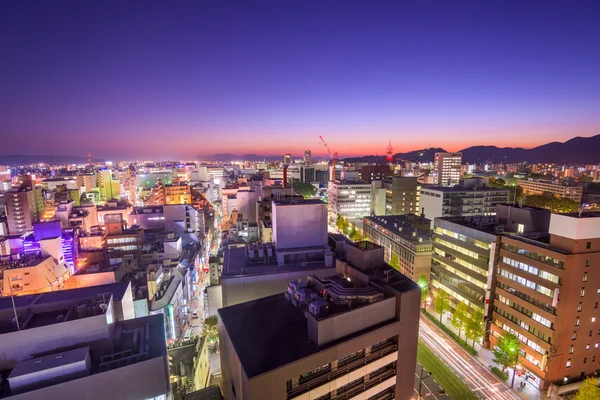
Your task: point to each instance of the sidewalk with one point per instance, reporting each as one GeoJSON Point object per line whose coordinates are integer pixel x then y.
{"type": "Point", "coordinates": [485, 358]}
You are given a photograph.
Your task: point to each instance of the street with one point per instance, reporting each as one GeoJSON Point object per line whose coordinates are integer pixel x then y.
{"type": "Point", "coordinates": [478, 378]}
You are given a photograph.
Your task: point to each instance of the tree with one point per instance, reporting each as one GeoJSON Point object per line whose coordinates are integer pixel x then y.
{"type": "Point", "coordinates": [303, 189]}
{"type": "Point", "coordinates": [210, 330]}
{"type": "Point", "coordinates": [588, 390]}
{"type": "Point", "coordinates": [422, 282]}
{"type": "Point", "coordinates": [340, 223]}
{"type": "Point", "coordinates": [585, 178]}
{"type": "Point", "coordinates": [475, 325]}
{"type": "Point", "coordinates": [352, 230]}
{"type": "Point", "coordinates": [356, 236]}
{"type": "Point", "coordinates": [460, 317]}
{"type": "Point", "coordinates": [395, 261]}
{"type": "Point", "coordinates": [441, 303]}
{"type": "Point", "coordinates": [506, 350]}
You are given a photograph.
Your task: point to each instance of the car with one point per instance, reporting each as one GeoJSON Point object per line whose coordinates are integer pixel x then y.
{"type": "Point", "coordinates": [195, 313]}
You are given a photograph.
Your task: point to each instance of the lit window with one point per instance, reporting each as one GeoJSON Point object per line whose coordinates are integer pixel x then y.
{"type": "Point", "coordinates": [569, 364]}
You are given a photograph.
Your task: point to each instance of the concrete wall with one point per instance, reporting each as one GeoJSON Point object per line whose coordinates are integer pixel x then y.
{"type": "Point", "coordinates": [339, 326]}
{"type": "Point", "coordinates": [246, 288]}
{"type": "Point", "coordinates": [299, 225]}
{"type": "Point", "coordinates": [20, 345]}
{"type": "Point", "coordinates": [143, 380]}
{"type": "Point", "coordinates": [430, 205]}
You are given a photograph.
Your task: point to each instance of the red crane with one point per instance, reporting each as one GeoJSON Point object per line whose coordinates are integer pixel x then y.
{"type": "Point", "coordinates": [334, 158]}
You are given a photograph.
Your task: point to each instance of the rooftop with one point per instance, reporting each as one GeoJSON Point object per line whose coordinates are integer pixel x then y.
{"type": "Point", "coordinates": [296, 201]}
{"type": "Point", "coordinates": [400, 225]}
{"type": "Point", "coordinates": [450, 189]}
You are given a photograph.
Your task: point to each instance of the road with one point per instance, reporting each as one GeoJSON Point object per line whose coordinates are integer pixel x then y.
{"type": "Point", "coordinates": [478, 378]}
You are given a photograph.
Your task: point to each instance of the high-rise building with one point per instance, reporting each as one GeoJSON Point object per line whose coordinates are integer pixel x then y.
{"type": "Point", "coordinates": [104, 182]}
{"type": "Point", "coordinates": [447, 167]}
{"type": "Point", "coordinates": [307, 156]}
{"type": "Point", "coordinates": [405, 238]}
{"type": "Point", "coordinates": [349, 335]}
{"type": "Point", "coordinates": [349, 199]}
{"type": "Point", "coordinates": [21, 208]}
{"type": "Point", "coordinates": [308, 174]}
{"type": "Point", "coordinates": [396, 196]}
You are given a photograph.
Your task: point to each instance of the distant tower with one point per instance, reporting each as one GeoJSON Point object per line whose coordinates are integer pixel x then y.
{"type": "Point", "coordinates": [390, 154]}
{"type": "Point", "coordinates": [89, 159]}
{"type": "Point", "coordinates": [287, 159]}
{"type": "Point", "coordinates": [307, 156]}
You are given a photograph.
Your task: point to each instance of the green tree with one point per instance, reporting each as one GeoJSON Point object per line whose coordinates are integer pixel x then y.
{"type": "Point", "coordinates": [357, 235]}
{"type": "Point", "coordinates": [506, 350]}
{"type": "Point", "coordinates": [588, 390]}
{"type": "Point", "coordinates": [210, 330]}
{"type": "Point", "coordinates": [460, 317]}
{"type": "Point", "coordinates": [424, 285]}
{"type": "Point", "coordinates": [303, 189]}
{"type": "Point", "coordinates": [585, 178]}
{"type": "Point", "coordinates": [441, 303]}
{"type": "Point", "coordinates": [345, 226]}
{"type": "Point", "coordinates": [475, 326]}
{"type": "Point", "coordinates": [395, 261]}
{"type": "Point", "coordinates": [352, 230]}
{"type": "Point", "coordinates": [340, 223]}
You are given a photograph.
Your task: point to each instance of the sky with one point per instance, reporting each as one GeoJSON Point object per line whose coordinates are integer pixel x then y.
{"type": "Point", "coordinates": [125, 79]}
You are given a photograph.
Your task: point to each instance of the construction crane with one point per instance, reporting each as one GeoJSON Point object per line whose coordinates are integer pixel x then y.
{"type": "Point", "coordinates": [334, 158]}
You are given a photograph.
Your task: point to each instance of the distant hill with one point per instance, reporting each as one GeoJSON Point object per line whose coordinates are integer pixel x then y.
{"type": "Point", "coordinates": [424, 155]}
{"type": "Point", "coordinates": [21, 159]}
{"type": "Point", "coordinates": [578, 150]}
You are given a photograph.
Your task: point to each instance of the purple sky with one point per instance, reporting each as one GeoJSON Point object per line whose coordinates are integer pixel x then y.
{"type": "Point", "coordinates": [178, 79]}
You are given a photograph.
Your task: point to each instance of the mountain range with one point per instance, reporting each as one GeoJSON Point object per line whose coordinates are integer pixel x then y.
{"type": "Point", "coordinates": [579, 150]}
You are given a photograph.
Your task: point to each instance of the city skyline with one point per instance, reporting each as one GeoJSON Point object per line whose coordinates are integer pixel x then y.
{"type": "Point", "coordinates": [121, 81]}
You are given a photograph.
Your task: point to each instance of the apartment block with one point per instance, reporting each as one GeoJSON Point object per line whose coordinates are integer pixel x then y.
{"type": "Point", "coordinates": [534, 186]}
{"type": "Point", "coordinates": [408, 237]}
{"type": "Point", "coordinates": [21, 209]}
{"type": "Point", "coordinates": [350, 335]}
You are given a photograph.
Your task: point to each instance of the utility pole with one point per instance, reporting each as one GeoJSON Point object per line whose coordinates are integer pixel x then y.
{"type": "Point", "coordinates": [421, 377]}
{"type": "Point", "coordinates": [512, 384]}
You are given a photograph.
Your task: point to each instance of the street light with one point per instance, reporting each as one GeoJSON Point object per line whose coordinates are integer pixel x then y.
{"type": "Point", "coordinates": [512, 384]}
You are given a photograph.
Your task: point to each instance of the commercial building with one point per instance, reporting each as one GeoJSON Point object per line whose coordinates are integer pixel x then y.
{"type": "Point", "coordinates": [548, 293]}
{"type": "Point", "coordinates": [535, 186]}
{"type": "Point", "coordinates": [395, 196]}
{"type": "Point", "coordinates": [405, 236]}
{"type": "Point", "coordinates": [349, 335]}
{"type": "Point", "coordinates": [447, 168]}
{"type": "Point", "coordinates": [82, 343]}
{"type": "Point", "coordinates": [466, 252]}
{"type": "Point", "coordinates": [439, 201]}
{"type": "Point", "coordinates": [189, 366]}
{"type": "Point", "coordinates": [349, 199]}
{"type": "Point", "coordinates": [177, 194]}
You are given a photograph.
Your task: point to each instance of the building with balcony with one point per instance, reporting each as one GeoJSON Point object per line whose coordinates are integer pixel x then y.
{"type": "Point", "coordinates": [21, 209]}
{"type": "Point", "coordinates": [349, 335]}
{"type": "Point", "coordinates": [408, 237]}
{"type": "Point", "coordinates": [447, 168]}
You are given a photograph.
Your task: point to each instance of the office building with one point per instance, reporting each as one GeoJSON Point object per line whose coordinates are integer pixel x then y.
{"type": "Point", "coordinates": [548, 293]}
{"type": "Point", "coordinates": [308, 174]}
{"type": "Point", "coordinates": [82, 344]}
{"type": "Point", "coordinates": [535, 186]}
{"type": "Point", "coordinates": [350, 335]}
{"type": "Point", "coordinates": [21, 209]}
{"type": "Point", "coordinates": [466, 251]}
{"type": "Point", "coordinates": [439, 201]}
{"type": "Point", "coordinates": [406, 238]}
{"type": "Point", "coordinates": [447, 168]}
{"type": "Point", "coordinates": [349, 199]}
{"type": "Point", "coordinates": [395, 196]}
